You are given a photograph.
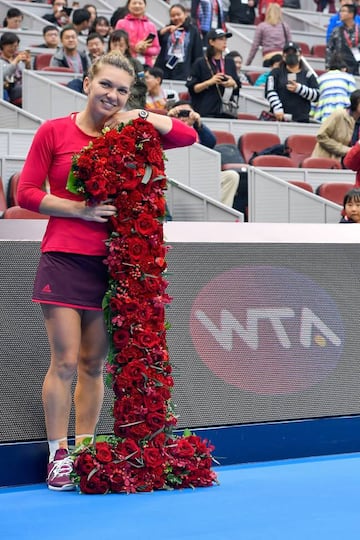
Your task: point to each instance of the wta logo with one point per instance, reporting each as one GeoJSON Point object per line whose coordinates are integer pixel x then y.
{"type": "Point", "coordinates": [267, 330]}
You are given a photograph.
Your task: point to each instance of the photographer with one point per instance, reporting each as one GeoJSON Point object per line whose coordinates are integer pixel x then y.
{"type": "Point", "coordinates": [213, 78]}
{"type": "Point", "coordinates": [229, 179]}
{"type": "Point", "coordinates": [157, 97]}
{"type": "Point", "coordinates": [60, 15]}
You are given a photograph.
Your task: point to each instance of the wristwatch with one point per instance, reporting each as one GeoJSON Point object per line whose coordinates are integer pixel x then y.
{"type": "Point", "coordinates": [143, 114]}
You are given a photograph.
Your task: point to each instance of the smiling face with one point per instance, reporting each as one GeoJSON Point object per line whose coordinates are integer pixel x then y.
{"type": "Point", "coordinates": [137, 7]}
{"type": "Point", "coordinates": [177, 15]}
{"type": "Point", "coordinates": [108, 91]}
{"type": "Point", "coordinates": [95, 47]}
{"type": "Point", "coordinates": [352, 209]}
{"type": "Point", "coordinates": [69, 40]}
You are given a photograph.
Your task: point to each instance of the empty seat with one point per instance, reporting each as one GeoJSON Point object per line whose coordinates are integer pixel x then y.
{"type": "Point", "coordinates": [247, 116]}
{"type": "Point", "coordinates": [302, 185]}
{"type": "Point", "coordinates": [272, 161]}
{"type": "Point", "coordinates": [334, 191]}
{"type": "Point", "coordinates": [3, 204]}
{"type": "Point", "coordinates": [255, 142]}
{"type": "Point", "coordinates": [319, 50]}
{"type": "Point", "coordinates": [300, 146]}
{"type": "Point", "coordinates": [15, 212]}
{"type": "Point", "coordinates": [57, 68]}
{"type": "Point", "coordinates": [305, 49]}
{"type": "Point", "coordinates": [224, 137]}
{"type": "Point", "coordinates": [12, 199]}
{"type": "Point", "coordinates": [254, 75]}
{"type": "Point", "coordinates": [184, 96]}
{"type": "Point", "coordinates": [320, 163]}
{"type": "Point", "coordinates": [42, 60]}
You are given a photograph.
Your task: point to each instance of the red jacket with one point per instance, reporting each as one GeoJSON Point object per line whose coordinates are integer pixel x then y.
{"type": "Point", "coordinates": [352, 161]}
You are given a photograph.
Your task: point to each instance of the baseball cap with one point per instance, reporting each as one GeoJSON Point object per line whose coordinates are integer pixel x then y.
{"type": "Point", "coordinates": [291, 45]}
{"type": "Point", "coordinates": [216, 33]}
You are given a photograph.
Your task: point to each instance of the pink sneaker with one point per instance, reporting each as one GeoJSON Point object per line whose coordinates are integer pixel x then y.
{"type": "Point", "coordinates": [59, 471]}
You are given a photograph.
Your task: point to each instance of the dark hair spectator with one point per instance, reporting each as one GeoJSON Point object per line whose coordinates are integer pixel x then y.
{"type": "Point", "coordinates": [13, 19]}
{"type": "Point", "coordinates": [101, 25]}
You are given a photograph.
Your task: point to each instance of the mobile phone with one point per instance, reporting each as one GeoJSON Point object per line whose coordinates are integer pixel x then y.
{"type": "Point", "coordinates": [184, 113]}
{"type": "Point", "coordinates": [150, 37]}
{"type": "Point", "coordinates": [224, 78]}
{"type": "Point", "coordinates": [171, 63]}
{"type": "Point", "coordinates": [291, 77]}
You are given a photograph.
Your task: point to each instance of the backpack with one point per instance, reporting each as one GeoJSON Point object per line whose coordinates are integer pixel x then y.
{"type": "Point", "coordinates": [229, 153]}
{"type": "Point", "coordinates": [276, 149]}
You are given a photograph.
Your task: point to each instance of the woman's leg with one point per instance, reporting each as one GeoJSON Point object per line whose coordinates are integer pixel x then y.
{"type": "Point", "coordinates": [63, 327]}
{"type": "Point", "coordinates": [89, 392]}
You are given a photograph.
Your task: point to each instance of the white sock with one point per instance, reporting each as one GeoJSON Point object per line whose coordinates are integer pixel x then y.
{"type": "Point", "coordinates": [53, 446]}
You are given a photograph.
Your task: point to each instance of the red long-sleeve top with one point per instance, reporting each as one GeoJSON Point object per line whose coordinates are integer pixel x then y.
{"type": "Point", "coordinates": [50, 156]}
{"type": "Point", "coordinates": [352, 161]}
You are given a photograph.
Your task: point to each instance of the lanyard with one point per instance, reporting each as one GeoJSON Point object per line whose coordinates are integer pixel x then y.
{"type": "Point", "coordinates": [178, 37]}
{"type": "Point", "coordinates": [222, 65]}
{"type": "Point", "coordinates": [351, 41]}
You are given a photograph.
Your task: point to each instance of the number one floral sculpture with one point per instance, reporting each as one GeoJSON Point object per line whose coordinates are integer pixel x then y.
{"type": "Point", "coordinates": [143, 454]}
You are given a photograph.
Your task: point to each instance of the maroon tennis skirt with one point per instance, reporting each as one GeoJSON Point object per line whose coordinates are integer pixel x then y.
{"type": "Point", "coordinates": [71, 280]}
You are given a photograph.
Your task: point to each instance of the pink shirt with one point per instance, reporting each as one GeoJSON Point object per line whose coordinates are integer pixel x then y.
{"type": "Point", "coordinates": [138, 29]}
{"type": "Point", "coordinates": [50, 157]}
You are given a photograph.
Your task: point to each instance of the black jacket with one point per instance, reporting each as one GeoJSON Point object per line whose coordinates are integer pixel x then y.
{"type": "Point", "coordinates": [208, 102]}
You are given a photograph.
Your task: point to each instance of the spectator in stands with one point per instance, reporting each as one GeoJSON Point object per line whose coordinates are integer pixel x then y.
{"type": "Point", "coordinates": [157, 97]}
{"type": "Point", "coordinates": [69, 55]}
{"type": "Point", "coordinates": [344, 40]}
{"type": "Point", "coordinates": [180, 45]}
{"type": "Point", "coordinates": [322, 4]}
{"type": "Point", "coordinates": [144, 42]}
{"type": "Point", "coordinates": [207, 15]}
{"type": "Point", "coordinates": [95, 46]}
{"type": "Point", "coordinates": [13, 63]}
{"type": "Point", "coordinates": [340, 131]}
{"type": "Point", "coordinates": [101, 26]}
{"type": "Point", "coordinates": [274, 63]}
{"type": "Point", "coordinates": [351, 210]}
{"type": "Point", "coordinates": [242, 11]}
{"type": "Point", "coordinates": [60, 15]}
{"type": "Point", "coordinates": [51, 36]}
{"type": "Point", "coordinates": [335, 20]}
{"type": "Point", "coordinates": [291, 88]}
{"type": "Point", "coordinates": [271, 35]}
{"type": "Point", "coordinates": [119, 41]}
{"type": "Point", "coordinates": [263, 6]}
{"type": "Point", "coordinates": [335, 87]}
{"type": "Point", "coordinates": [238, 60]}
{"type": "Point", "coordinates": [213, 77]}
{"type": "Point", "coordinates": [93, 13]}
{"type": "Point", "coordinates": [13, 19]}
{"type": "Point", "coordinates": [81, 21]}
{"type": "Point", "coordinates": [229, 179]}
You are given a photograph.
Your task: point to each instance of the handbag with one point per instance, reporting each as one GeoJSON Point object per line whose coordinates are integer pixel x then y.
{"type": "Point", "coordinates": [229, 109]}
{"type": "Point", "coordinates": [267, 116]}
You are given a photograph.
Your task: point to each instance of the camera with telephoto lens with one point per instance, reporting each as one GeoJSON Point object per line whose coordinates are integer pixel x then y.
{"type": "Point", "coordinates": [184, 113]}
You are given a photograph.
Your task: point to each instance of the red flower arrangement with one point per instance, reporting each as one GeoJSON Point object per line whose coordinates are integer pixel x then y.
{"type": "Point", "coordinates": [127, 166]}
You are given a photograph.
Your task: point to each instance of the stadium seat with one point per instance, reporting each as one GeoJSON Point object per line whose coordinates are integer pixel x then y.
{"type": "Point", "coordinates": [249, 143]}
{"type": "Point", "coordinates": [15, 212]}
{"type": "Point", "coordinates": [12, 199]}
{"type": "Point", "coordinates": [254, 75]}
{"type": "Point", "coordinates": [247, 116]}
{"type": "Point", "coordinates": [272, 161]}
{"type": "Point", "coordinates": [320, 163]}
{"type": "Point", "coordinates": [302, 185]}
{"type": "Point", "coordinates": [333, 191]}
{"type": "Point", "coordinates": [57, 68]}
{"type": "Point", "coordinates": [3, 204]}
{"type": "Point", "coordinates": [224, 137]}
{"type": "Point", "coordinates": [300, 146]}
{"type": "Point", "coordinates": [184, 96]}
{"type": "Point", "coordinates": [319, 50]}
{"type": "Point", "coordinates": [42, 60]}
{"type": "Point", "coordinates": [305, 49]}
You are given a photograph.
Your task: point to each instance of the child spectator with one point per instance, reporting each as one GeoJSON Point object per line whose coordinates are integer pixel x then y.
{"type": "Point", "coordinates": [351, 211]}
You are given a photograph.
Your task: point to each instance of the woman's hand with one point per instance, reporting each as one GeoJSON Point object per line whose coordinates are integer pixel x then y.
{"type": "Point", "coordinates": [98, 212]}
{"type": "Point", "coordinates": [229, 82]}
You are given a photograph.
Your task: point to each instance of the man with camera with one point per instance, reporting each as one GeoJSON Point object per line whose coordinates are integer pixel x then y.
{"type": "Point", "coordinates": [229, 179]}
{"type": "Point", "coordinates": [60, 15]}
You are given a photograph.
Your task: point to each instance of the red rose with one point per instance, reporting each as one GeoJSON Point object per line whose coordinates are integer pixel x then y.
{"type": "Point", "coordinates": [84, 463]}
{"type": "Point", "coordinates": [152, 457]}
{"type": "Point", "coordinates": [146, 225]}
{"type": "Point", "coordinates": [138, 248]}
{"type": "Point", "coordinates": [121, 338]}
{"type": "Point", "coordinates": [103, 452]}
{"type": "Point", "coordinates": [183, 448]}
{"type": "Point", "coordinates": [96, 484]}
{"type": "Point", "coordinates": [155, 420]}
